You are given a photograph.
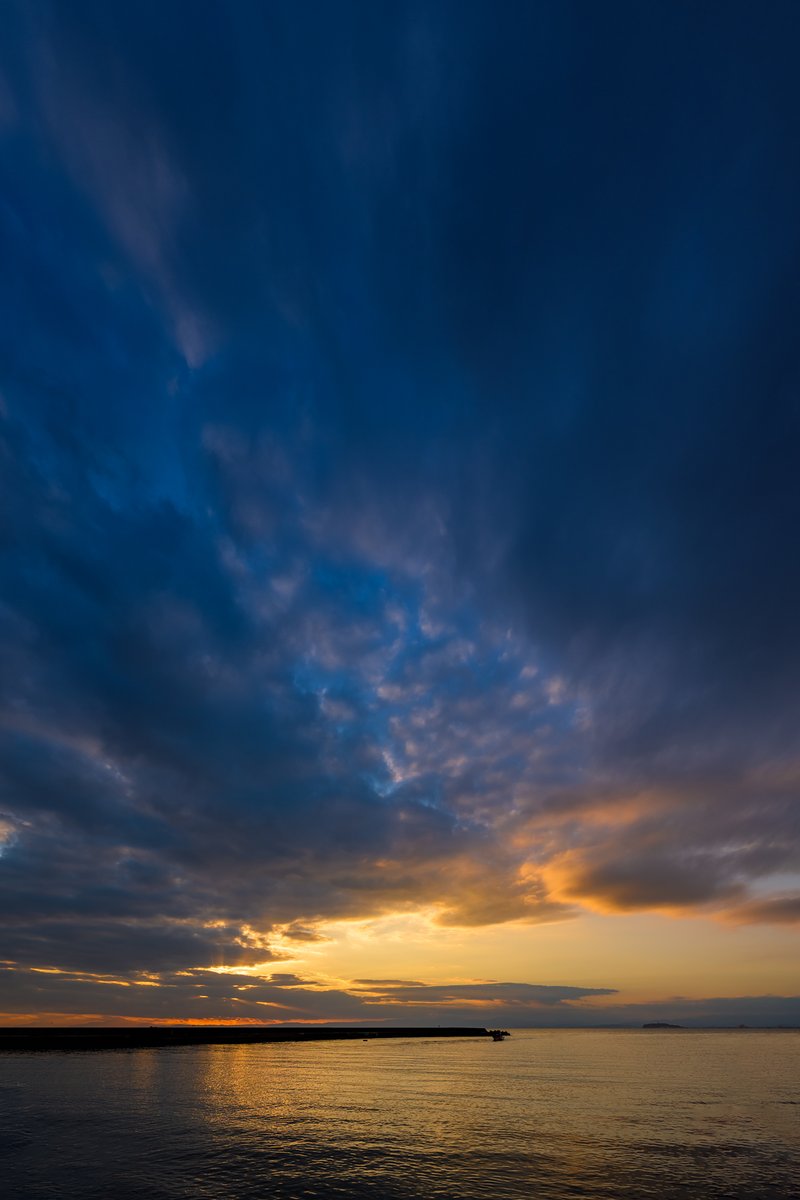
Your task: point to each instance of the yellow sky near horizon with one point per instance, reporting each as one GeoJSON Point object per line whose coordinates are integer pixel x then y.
{"type": "Point", "coordinates": [643, 956]}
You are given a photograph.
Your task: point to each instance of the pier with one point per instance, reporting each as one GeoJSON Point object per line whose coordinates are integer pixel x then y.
{"type": "Point", "coordinates": [83, 1037]}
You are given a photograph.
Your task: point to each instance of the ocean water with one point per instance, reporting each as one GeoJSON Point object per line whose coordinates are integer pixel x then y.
{"type": "Point", "coordinates": [547, 1114]}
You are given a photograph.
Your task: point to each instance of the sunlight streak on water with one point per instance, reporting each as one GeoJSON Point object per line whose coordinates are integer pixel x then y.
{"type": "Point", "coordinates": [550, 1114]}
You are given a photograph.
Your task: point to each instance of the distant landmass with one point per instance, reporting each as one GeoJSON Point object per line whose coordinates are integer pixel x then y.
{"type": "Point", "coordinates": [661, 1025]}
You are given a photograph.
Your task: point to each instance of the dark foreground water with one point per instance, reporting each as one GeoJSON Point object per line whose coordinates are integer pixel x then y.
{"type": "Point", "coordinates": [579, 1113]}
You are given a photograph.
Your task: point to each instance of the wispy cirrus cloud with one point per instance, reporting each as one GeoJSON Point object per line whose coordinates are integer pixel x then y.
{"type": "Point", "coordinates": [282, 996]}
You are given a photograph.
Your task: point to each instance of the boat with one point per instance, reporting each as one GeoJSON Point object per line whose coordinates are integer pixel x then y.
{"type": "Point", "coordinates": [497, 1035]}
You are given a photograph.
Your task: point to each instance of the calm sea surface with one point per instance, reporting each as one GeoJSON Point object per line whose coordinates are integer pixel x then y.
{"type": "Point", "coordinates": [545, 1114]}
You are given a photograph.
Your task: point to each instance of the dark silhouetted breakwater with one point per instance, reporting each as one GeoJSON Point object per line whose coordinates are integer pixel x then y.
{"type": "Point", "coordinates": [136, 1037]}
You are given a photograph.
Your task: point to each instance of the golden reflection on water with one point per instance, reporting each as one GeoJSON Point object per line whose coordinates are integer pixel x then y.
{"type": "Point", "coordinates": [548, 1114]}
{"type": "Point", "coordinates": [574, 1104]}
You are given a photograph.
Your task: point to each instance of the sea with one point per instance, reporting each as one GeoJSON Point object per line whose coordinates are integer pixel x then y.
{"type": "Point", "coordinates": [550, 1114]}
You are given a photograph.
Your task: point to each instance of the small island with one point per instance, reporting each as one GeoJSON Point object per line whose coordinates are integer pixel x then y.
{"type": "Point", "coordinates": [661, 1025]}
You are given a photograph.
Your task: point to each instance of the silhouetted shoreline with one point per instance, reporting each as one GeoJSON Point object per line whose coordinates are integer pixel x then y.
{"type": "Point", "coordinates": [138, 1037]}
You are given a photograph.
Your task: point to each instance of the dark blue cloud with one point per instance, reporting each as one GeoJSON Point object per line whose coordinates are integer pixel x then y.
{"type": "Point", "coordinates": [399, 441]}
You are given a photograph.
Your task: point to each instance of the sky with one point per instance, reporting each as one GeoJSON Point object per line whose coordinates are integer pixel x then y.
{"type": "Point", "coordinates": [399, 507]}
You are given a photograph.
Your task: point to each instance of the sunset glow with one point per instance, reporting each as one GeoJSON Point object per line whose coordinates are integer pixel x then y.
{"type": "Point", "coordinates": [398, 550]}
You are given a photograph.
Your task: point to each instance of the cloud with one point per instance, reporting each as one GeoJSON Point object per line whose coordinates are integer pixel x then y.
{"type": "Point", "coordinates": [526, 995]}
{"type": "Point", "coordinates": [203, 995]}
{"type": "Point", "coordinates": [392, 519]}
{"type": "Point", "coordinates": [279, 996]}
{"type": "Point", "coordinates": [777, 910]}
